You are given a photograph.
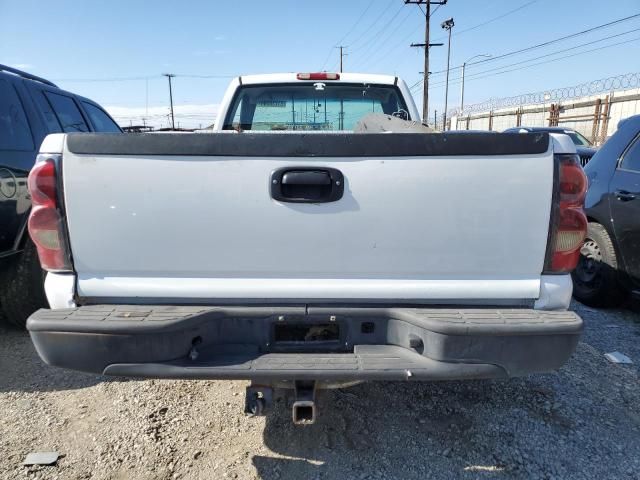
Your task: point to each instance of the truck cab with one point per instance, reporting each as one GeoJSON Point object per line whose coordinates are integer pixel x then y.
{"type": "Point", "coordinates": [311, 101]}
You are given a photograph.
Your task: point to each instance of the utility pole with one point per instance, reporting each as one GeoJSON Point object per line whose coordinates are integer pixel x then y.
{"type": "Point", "coordinates": [341, 118]}
{"type": "Point", "coordinates": [447, 25]}
{"type": "Point", "coordinates": [341, 47]}
{"type": "Point", "coordinates": [146, 95]}
{"type": "Point", "coordinates": [464, 64]}
{"type": "Point", "coordinates": [426, 45]}
{"type": "Point", "coordinates": [170, 76]}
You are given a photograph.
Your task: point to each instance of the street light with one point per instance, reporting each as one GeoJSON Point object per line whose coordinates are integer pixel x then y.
{"type": "Point", "coordinates": [484, 55]}
{"type": "Point", "coordinates": [170, 76]}
{"type": "Point", "coordinates": [447, 25]}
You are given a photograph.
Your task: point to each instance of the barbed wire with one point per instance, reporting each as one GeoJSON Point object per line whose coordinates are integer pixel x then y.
{"type": "Point", "coordinates": [594, 87]}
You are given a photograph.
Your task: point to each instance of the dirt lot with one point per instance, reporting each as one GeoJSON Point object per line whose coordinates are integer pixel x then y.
{"type": "Point", "coordinates": [582, 422]}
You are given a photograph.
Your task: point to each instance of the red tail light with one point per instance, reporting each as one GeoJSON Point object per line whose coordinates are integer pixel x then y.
{"type": "Point", "coordinates": [570, 221]}
{"type": "Point", "coordinates": [46, 226]}
{"type": "Point", "coordinates": [318, 76]}
{"type": "Point", "coordinates": [573, 181]}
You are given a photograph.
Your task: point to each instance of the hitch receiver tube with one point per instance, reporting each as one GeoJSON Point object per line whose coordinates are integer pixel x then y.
{"type": "Point", "coordinates": [304, 406]}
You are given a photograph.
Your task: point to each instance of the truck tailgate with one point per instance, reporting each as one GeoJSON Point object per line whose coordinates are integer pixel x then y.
{"type": "Point", "coordinates": [419, 219]}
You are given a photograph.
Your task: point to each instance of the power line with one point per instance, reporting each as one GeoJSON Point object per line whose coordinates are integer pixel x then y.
{"type": "Point", "coordinates": [540, 45]}
{"type": "Point", "coordinates": [419, 82]}
{"type": "Point", "coordinates": [539, 57]}
{"type": "Point", "coordinates": [404, 40]}
{"type": "Point", "coordinates": [547, 61]}
{"type": "Point", "coordinates": [106, 79]}
{"type": "Point", "coordinates": [491, 20]}
{"type": "Point", "coordinates": [183, 75]}
{"type": "Point", "coordinates": [334, 66]}
{"type": "Point", "coordinates": [373, 23]}
{"type": "Point", "coordinates": [362, 35]}
{"type": "Point", "coordinates": [553, 60]}
{"type": "Point", "coordinates": [383, 38]}
{"type": "Point", "coordinates": [434, 10]}
{"type": "Point", "coordinates": [550, 42]}
{"type": "Point", "coordinates": [379, 33]}
{"type": "Point", "coordinates": [552, 53]}
{"type": "Point", "coordinates": [424, 11]}
{"type": "Point", "coordinates": [470, 28]}
{"type": "Point", "coordinates": [369, 4]}
{"type": "Point", "coordinates": [128, 79]}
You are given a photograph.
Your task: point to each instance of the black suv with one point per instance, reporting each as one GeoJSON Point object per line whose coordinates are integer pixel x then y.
{"type": "Point", "coordinates": [30, 109]}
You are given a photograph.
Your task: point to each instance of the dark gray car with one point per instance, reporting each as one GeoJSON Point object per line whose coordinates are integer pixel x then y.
{"type": "Point", "coordinates": [584, 148]}
{"type": "Point", "coordinates": [609, 265]}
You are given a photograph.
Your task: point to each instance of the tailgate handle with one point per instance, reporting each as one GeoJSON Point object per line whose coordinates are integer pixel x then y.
{"type": "Point", "coordinates": [307, 185]}
{"type": "Point", "coordinates": [308, 177]}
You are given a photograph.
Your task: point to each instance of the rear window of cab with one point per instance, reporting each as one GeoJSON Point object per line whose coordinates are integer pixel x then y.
{"type": "Point", "coordinates": [311, 106]}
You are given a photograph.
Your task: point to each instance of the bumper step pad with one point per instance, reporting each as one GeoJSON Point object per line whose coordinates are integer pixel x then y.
{"type": "Point", "coordinates": [368, 362]}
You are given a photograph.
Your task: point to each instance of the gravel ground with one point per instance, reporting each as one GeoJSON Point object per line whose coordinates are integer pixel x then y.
{"type": "Point", "coordinates": [581, 422]}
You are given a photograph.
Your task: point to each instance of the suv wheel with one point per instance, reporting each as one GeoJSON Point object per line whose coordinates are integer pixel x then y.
{"type": "Point", "coordinates": [595, 279]}
{"type": "Point", "coordinates": [22, 287]}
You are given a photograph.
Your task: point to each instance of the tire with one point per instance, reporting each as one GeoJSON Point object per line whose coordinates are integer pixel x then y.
{"type": "Point", "coordinates": [595, 279]}
{"type": "Point", "coordinates": [22, 287]}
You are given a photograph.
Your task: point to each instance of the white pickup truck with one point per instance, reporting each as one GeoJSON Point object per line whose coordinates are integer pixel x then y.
{"type": "Point", "coordinates": [311, 256]}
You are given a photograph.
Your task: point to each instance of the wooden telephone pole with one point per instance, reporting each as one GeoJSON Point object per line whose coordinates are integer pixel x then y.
{"type": "Point", "coordinates": [342, 55]}
{"type": "Point", "coordinates": [426, 45]}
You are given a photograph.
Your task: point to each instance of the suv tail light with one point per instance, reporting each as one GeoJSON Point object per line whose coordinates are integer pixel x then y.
{"type": "Point", "coordinates": [569, 223]}
{"type": "Point", "coordinates": [46, 226]}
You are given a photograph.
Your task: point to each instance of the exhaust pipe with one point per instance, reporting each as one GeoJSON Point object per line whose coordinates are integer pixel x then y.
{"type": "Point", "coordinates": [304, 406]}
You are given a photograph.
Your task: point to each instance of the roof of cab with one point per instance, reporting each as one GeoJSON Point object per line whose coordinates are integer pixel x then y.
{"type": "Point", "coordinates": [292, 78]}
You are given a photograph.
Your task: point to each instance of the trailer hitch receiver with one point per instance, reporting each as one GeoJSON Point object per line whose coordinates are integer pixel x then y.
{"type": "Point", "coordinates": [304, 406]}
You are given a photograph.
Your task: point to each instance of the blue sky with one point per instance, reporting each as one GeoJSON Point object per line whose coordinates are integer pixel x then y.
{"type": "Point", "coordinates": [115, 51]}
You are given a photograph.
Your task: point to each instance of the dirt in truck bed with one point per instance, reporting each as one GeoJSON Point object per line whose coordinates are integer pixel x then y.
{"type": "Point", "coordinates": [581, 422]}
